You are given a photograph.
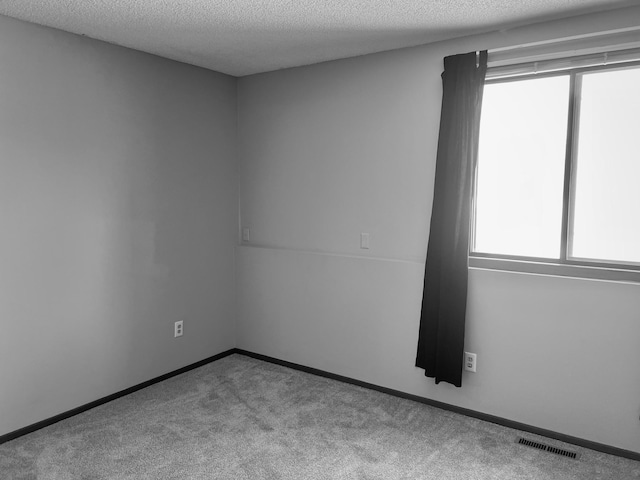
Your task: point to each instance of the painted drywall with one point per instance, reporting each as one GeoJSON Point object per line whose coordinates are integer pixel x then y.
{"type": "Point", "coordinates": [118, 212]}
{"type": "Point", "coordinates": [332, 150]}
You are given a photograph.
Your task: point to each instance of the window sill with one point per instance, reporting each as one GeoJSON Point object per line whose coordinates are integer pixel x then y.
{"type": "Point", "coordinates": [555, 269]}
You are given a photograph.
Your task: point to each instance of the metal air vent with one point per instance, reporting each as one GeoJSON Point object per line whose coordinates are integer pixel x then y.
{"type": "Point", "coordinates": [548, 448]}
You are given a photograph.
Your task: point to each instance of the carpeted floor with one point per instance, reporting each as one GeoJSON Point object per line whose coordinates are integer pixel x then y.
{"type": "Point", "coordinates": [240, 418]}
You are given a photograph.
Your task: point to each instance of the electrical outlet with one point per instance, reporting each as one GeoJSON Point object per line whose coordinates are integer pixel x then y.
{"type": "Point", "coordinates": [178, 329]}
{"type": "Point", "coordinates": [246, 234]}
{"type": "Point", "coordinates": [470, 361]}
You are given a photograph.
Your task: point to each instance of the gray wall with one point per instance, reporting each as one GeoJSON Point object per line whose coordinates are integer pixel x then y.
{"type": "Point", "coordinates": [118, 213]}
{"type": "Point", "coordinates": [332, 150]}
{"type": "Point", "coordinates": [118, 207]}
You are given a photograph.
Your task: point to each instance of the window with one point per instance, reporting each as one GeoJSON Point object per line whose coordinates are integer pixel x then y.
{"type": "Point", "coordinates": [558, 176]}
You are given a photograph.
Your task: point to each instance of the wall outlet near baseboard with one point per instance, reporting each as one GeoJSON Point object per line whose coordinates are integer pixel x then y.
{"type": "Point", "coordinates": [178, 329]}
{"type": "Point", "coordinates": [470, 360]}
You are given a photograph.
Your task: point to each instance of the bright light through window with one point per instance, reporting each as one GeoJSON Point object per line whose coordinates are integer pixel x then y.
{"type": "Point", "coordinates": [521, 161]}
{"type": "Point", "coordinates": [607, 197]}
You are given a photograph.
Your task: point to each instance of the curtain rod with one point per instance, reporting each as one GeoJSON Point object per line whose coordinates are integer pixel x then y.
{"type": "Point", "coordinates": [603, 34]}
{"type": "Point", "coordinates": [572, 46]}
{"type": "Point", "coordinates": [565, 63]}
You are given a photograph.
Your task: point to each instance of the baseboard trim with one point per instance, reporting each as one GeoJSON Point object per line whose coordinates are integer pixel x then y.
{"type": "Point", "coordinates": [83, 408]}
{"type": "Point", "coordinates": [599, 447]}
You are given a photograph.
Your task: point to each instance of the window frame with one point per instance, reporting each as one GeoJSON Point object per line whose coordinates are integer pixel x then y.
{"type": "Point", "coordinates": [565, 265]}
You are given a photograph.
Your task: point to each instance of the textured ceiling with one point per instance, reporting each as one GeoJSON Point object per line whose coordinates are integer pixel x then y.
{"type": "Point", "coordinates": [241, 37]}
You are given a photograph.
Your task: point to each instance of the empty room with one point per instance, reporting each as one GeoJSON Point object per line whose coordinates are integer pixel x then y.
{"type": "Point", "coordinates": [320, 240]}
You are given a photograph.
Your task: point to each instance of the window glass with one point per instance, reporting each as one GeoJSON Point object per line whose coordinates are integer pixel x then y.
{"type": "Point", "coordinates": [606, 218]}
{"type": "Point", "coordinates": [521, 161]}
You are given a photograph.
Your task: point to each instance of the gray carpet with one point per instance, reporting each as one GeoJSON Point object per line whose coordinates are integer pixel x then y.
{"type": "Point", "coordinates": [240, 418]}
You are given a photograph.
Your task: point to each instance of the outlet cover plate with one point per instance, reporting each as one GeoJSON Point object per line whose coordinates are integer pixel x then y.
{"type": "Point", "coordinates": [470, 361]}
{"type": "Point", "coordinates": [178, 329]}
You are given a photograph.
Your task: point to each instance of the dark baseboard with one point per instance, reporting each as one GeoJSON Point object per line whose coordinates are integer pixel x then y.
{"type": "Point", "coordinates": [600, 447]}
{"type": "Point", "coordinates": [70, 413]}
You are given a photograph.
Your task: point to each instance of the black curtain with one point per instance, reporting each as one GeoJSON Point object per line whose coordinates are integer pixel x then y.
{"type": "Point", "coordinates": [444, 301]}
